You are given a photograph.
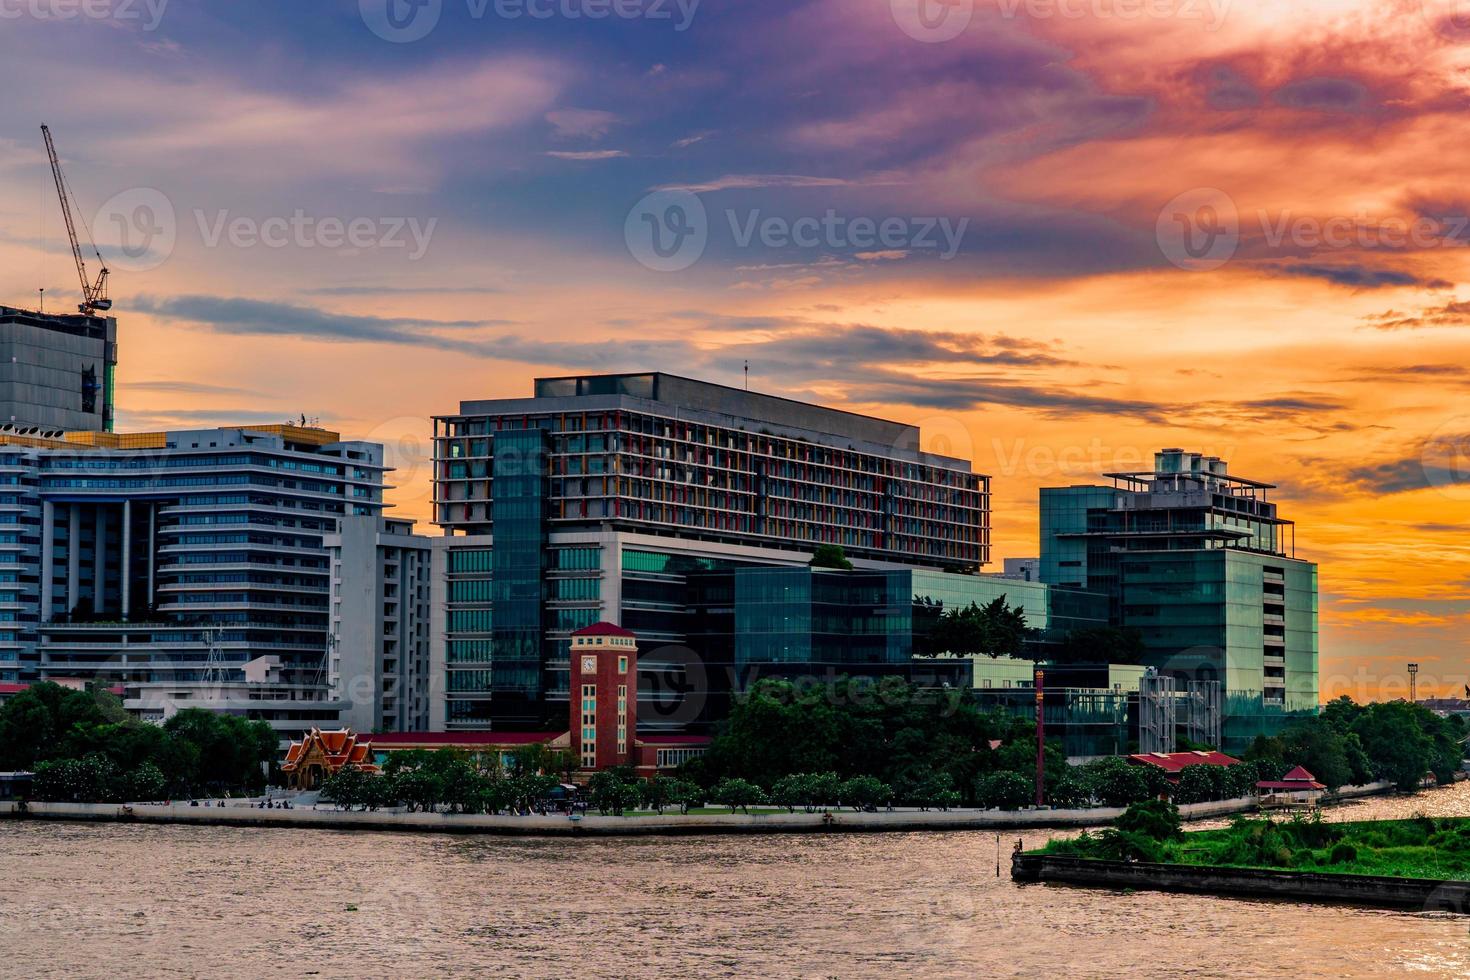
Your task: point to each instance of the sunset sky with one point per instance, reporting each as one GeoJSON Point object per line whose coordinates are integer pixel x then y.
{"type": "Point", "coordinates": [1057, 234]}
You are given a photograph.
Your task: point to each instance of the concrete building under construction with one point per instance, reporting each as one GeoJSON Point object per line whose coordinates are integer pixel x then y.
{"type": "Point", "coordinates": [56, 372]}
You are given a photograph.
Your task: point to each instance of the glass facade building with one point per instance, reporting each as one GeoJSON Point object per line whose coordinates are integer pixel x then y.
{"type": "Point", "coordinates": [164, 563]}
{"type": "Point", "coordinates": [1202, 565]}
{"type": "Point", "coordinates": [600, 497]}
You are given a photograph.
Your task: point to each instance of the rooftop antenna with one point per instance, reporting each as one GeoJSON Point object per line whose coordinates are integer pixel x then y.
{"type": "Point", "coordinates": [43, 300]}
{"type": "Point", "coordinates": [747, 375]}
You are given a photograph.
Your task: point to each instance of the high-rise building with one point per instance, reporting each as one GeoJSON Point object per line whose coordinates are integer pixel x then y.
{"type": "Point", "coordinates": [1202, 565]}
{"type": "Point", "coordinates": [598, 498]}
{"type": "Point", "coordinates": [56, 372]}
{"type": "Point", "coordinates": [186, 568]}
{"type": "Point", "coordinates": [379, 632]}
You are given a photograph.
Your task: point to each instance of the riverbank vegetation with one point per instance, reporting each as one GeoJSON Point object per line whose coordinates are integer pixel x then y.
{"type": "Point", "coordinates": [1421, 847]}
{"type": "Point", "coordinates": [83, 747]}
{"type": "Point", "coordinates": [938, 748]}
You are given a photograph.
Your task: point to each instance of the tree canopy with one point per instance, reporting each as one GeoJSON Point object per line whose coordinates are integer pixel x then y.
{"type": "Point", "coordinates": [994, 629]}
{"type": "Point", "coordinates": [83, 746]}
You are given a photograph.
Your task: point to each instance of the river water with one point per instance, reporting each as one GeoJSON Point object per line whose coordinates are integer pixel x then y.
{"type": "Point", "coordinates": [105, 899]}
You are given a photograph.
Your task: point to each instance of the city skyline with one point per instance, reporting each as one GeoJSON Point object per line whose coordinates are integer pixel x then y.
{"type": "Point", "coordinates": [1049, 334]}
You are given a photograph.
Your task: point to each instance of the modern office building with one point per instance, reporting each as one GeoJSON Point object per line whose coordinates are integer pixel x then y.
{"type": "Point", "coordinates": [379, 633]}
{"type": "Point", "coordinates": [1200, 563]}
{"type": "Point", "coordinates": [597, 498]}
{"type": "Point", "coordinates": [186, 567]}
{"type": "Point", "coordinates": [56, 372]}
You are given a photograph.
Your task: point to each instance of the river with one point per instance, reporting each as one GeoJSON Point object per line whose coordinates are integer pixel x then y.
{"type": "Point", "coordinates": [107, 899]}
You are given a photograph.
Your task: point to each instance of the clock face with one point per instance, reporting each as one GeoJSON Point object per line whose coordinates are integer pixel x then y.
{"type": "Point", "coordinates": [589, 665]}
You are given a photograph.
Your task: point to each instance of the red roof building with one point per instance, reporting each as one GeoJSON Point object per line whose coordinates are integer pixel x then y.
{"type": "Point", "coordinates": [320, 754]}
{"type": "Point", "coordinates": [602, 727]}
{"type": "Point", "coordinates": [1296, 781]}
{"type": "Point", "coordinates": [1174, 763]}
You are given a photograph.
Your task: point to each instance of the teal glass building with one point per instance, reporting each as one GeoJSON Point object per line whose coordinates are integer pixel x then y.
{"type": "Point", "coordinates": [1201, 564]}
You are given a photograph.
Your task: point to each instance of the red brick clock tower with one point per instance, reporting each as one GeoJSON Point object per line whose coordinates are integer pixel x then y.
{"type": "Point", "coordinates": [604, 696]}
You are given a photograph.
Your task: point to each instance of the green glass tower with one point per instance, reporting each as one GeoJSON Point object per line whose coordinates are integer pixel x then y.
{"type": "Point", "coordinates": [1200, 563]}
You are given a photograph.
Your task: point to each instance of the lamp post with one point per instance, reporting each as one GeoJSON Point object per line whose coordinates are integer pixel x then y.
{"type": "Point", "coordinates": [1413, 683]}
{"type": "Point", "coordinates": [1040, 678]}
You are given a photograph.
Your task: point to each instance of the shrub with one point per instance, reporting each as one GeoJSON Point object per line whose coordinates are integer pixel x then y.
{"type": "Point", "coordinates": [1344, 853]}
{"type": "Point", "coordinates": [1154, 819]}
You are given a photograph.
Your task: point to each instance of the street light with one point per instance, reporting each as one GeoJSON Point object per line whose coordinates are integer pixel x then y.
{"type": "Point", "coordinates": [1413, 683]}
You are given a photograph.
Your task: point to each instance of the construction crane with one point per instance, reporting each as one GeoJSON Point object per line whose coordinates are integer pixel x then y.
{"type": "Point", "coordinates": [94, 294]}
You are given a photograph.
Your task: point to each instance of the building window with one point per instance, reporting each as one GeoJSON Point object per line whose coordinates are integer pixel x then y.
{"type": "Point", "coordinates": [622, 719]}
{"type": "Point", "coordinates": [589, 726]}
{"type": "Point", "coordinates": [622, 665]}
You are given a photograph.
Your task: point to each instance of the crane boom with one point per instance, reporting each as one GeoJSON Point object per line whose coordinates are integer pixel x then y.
{"type": "Point", "coordinates": [94, 294]}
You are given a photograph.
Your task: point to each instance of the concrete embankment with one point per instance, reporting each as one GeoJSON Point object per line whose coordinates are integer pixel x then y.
{"type": "Point", "coordinates": [594, 825]}
{"type": "Point", "coordinates": [1370, 890]}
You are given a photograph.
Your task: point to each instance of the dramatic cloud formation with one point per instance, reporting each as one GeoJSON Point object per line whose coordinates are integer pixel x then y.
{"type": "Point", "coordinates": [1238, 227]}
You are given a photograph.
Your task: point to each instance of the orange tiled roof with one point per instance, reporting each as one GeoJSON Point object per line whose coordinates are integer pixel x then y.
{"type": "Point", "coordinates": [339, 748]}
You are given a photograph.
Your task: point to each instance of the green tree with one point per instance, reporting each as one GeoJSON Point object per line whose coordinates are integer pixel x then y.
{"type": "Point", "coordinates": [1005, 791]}
{"type": "Point", "coordinates": [792, 791]}
{"type": "Point", "coordinates": [34, 722]}
{"type": "Point", "coordinates": [865, 791]}
{"type": "Point", "coordinates": [1100, 645]}
{"type": "Point", "coordinates": [733, 793]}
{"type": "Point", "coordinates": [831, 556]}
{"type": "Point", "coordinates": [145, 783]}
{"type": "Point", "coordinates": [1073, 789]}
{"type": "Point", "coordinates": [1397, 738]}
{"type": "Point", "coordinates": [93, 779]}
{"type": "Point", "coordinates": [658, 793]}
{"type": "Point", "coordinates": [994, 630]}
{"type": "Point", "coordinates": [348, 787]}
{"type": "Point", "coordinates": [1199, 784]}
{"type": "Point", "coordinates": [606, 789]}
{"type": "Point", "coordinates": [687, 795]}
{"type": "Point", "coordinates": [1118, 782]}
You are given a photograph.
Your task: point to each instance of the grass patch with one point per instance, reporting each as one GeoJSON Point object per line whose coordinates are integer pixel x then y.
{"type": "Point", "coordinates": [1420, 847]}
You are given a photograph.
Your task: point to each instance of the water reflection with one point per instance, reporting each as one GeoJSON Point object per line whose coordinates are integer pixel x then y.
{"type": "Point", "coordinates": [79, 900]}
